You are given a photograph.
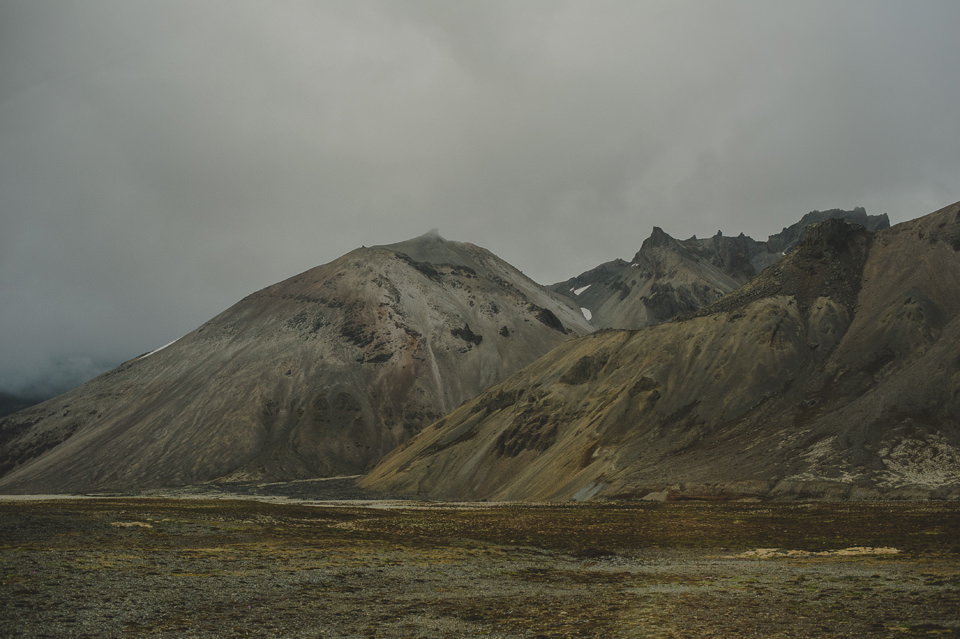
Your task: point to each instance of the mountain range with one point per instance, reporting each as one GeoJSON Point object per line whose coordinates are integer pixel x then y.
{"type": "Point", "coordinates": [822, 362]}
{"type": "Point", "coordinates": [835, 373]}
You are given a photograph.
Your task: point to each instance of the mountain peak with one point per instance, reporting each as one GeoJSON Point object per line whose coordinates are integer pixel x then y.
{"type": "Point", "coordinates": [658, 237]}
{"type": "Point", "coordinates": [432, 248]}
{"type": "Point", "coordinates": [828, 236]}
{"type": "Point", "coordinates": [791, 236]}
{"type": "Point", "coordinates": [827, 264]}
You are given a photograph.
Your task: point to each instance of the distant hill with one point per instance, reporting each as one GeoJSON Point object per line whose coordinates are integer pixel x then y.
{"type": "Point", "coordinates": [833, 374]}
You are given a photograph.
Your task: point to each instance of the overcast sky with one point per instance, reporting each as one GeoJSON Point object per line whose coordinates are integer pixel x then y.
{"type": "Point", "coordinates": [161, 160]}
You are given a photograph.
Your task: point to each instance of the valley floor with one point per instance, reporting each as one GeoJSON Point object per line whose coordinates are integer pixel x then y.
{"type": "Point", "coordinates": [165, 567]}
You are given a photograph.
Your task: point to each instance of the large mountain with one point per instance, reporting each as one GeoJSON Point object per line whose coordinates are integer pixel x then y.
{"type": "Point", "coordinates": [834, 373]}
{"type": "Point", "coordinates": [318, 375]}
{"type": "Point", "coordinates": [669, 277]}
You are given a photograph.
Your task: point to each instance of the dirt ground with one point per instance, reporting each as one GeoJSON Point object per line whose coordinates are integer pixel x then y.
{"type": "Point", "coordinates": [200, 567]}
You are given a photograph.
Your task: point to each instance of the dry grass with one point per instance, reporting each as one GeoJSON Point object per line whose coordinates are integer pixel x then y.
{"type": "Point", "coordinates": [167, 567]}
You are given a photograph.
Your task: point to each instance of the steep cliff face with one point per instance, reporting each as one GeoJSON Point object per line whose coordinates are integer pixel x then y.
{"type": "Point", "coordinates": [670, 278]}
{"type": "Point", "coordinates": [835, 373]}
{"type": "Point", "coordinates": [318, 375]}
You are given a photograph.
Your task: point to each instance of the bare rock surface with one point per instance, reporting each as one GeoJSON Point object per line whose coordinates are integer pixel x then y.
{"type": "Point", "coordinates": [669, 278]}
{"type": "Point", "coordinates": [834, 374]}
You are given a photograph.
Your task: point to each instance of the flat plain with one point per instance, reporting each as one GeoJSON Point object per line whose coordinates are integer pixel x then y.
{"type": "Point", "coordinates": [200, 567]}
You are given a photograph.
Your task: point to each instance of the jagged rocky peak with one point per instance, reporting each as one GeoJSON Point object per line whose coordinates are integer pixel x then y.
{"type": "Point", "coordinates": [827, 237]}
{"type": "Point", "coordinates": [791, 235]}
{"type": "Point", "coordinates": [657, 238]}
{"type": "Point", "coordinates": [827, 264]}
{"type": "Point", "coordinates": [668, 277]}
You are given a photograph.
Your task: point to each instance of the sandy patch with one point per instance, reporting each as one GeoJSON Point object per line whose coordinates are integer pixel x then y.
{"type": "Point", "coordinates": [772, 553]}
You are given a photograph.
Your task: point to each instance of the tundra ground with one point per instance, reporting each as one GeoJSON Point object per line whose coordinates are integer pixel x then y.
{"type": "Point", "coordinates": [148, 567]}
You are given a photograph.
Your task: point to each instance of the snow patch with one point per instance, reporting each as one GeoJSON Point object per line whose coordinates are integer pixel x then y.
{"type": "Point", "coordinates": [161, 348]}
{"type": "Point", "coordinates": [581, 289]}
{"type": "Point", "coordinates": [586, 313]}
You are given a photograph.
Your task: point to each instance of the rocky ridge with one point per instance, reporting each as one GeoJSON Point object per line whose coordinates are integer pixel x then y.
{"type": "Point", "coordinates": [835, 373]}
{"type": "Point", "coordinates": [669, 278]}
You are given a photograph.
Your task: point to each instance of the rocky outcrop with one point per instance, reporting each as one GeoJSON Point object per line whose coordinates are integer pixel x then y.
{"type": "Point", "coordinates": [834, 374]}
{"type": "Point", "coordinates": [790, 236]}
{"type": "Point", "coordinates": [670, 278]}
{"type": "Point", "coordinates": [318, 375]}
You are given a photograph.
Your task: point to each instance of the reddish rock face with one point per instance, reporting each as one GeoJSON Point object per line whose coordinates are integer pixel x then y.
{"type": "Point", "coordinates": [319, 375]}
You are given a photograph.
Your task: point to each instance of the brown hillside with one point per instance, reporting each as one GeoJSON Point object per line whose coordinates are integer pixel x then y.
{"type": "Point", "coordinates": [835, 373]}
{"type": "Point", "coordinates": [318, 375]}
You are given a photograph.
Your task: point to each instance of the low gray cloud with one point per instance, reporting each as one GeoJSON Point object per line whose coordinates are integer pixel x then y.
{"type": "Point", "coordinates": [160, 160]}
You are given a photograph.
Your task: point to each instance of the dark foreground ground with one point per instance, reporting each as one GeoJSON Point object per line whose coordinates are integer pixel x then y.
{"type": "Point", "coordinates": [121, 567]}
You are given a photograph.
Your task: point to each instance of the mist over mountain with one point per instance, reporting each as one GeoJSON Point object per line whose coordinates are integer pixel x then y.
{"type": "Point", "coordinates": [11, 403]}
{"type": "Point", "coordinates": [835, 373]}
{"type": "Point", "coordinates": [50, 379]}
{"type": "Point", "coordinates": [319, 375]}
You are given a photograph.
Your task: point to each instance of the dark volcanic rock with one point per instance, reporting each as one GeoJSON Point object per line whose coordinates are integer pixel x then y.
{"type": "Point", "coordinates": [669, 278]}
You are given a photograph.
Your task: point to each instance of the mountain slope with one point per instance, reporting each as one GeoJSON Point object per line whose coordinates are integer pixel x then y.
{"type": "Point", "coordinates": [835, 373]}
{"type": "Point", "coordinates": [318, 375]}
{"type": "Point", "coordinates": [668, 278]}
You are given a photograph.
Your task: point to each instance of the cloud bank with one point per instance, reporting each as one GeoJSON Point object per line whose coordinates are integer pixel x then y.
{"type": "Point", "coordinates": [159, 161]}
